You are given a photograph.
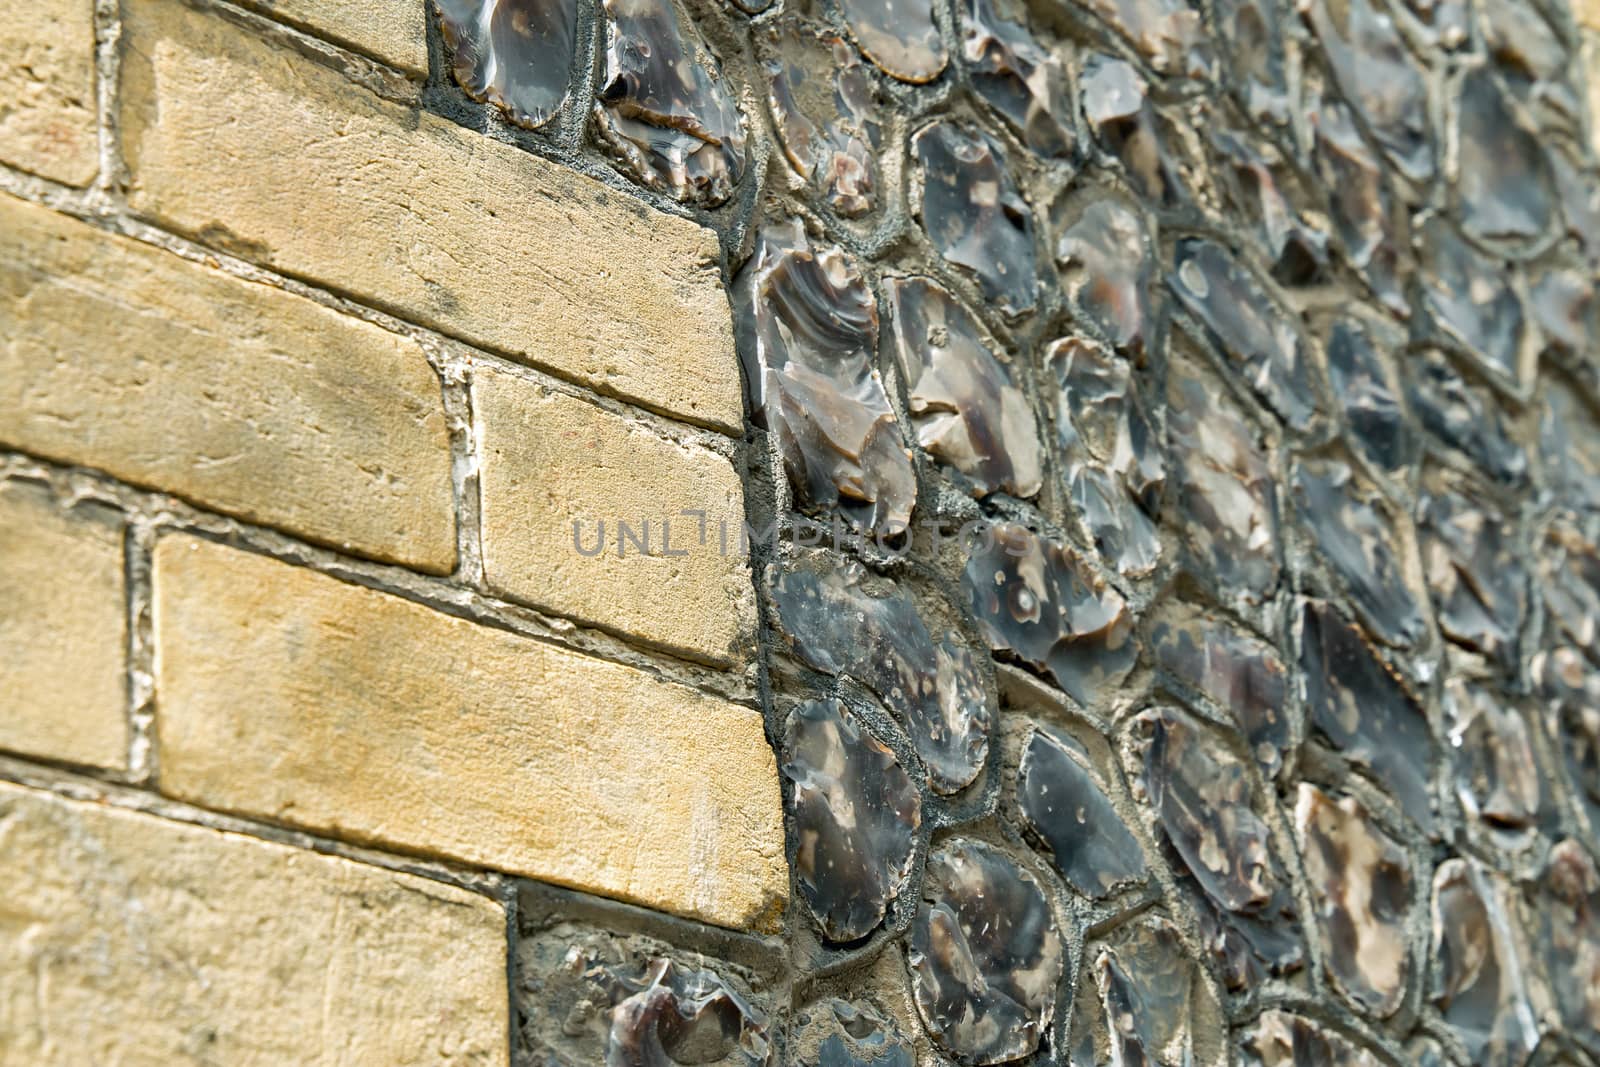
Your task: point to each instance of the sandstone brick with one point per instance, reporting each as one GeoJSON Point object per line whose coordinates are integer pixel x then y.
{"type": "Point", "coordinates": [422, 217]}
{"type": "Point", "coordinates": [233, 394]}
{"type": "Point", "coordinates": [393, 31]}
{"type": "Point", "coordinates": [47, 90]}
{"type": "Point", "coordinates": [63, 627]}
{"type": "Point", "coordinates": [1587, 12]}
{"type": "Point", "coordinates": [131, 940]}
{"type": "Point", "coordinates": [550, 460]}
{"type": "Point", "coordinates": [293, 696]}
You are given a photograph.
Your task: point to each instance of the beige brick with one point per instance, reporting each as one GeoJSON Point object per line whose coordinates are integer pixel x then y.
{"type": "Point", "coordinates": [47, 89]}
{"type": "Point", "coordinates": [63, 627]}
{"type": "Point", "coordinates": [1587, 12]}
{"type": "Point", "coordinates": [550, 460]}
{"type": "Point", "coordinates": [289, 695]}
{"type": "Point", "coordinates": [287, 163]}
{"type": "Point", "coordinates": [130, 940]}
{"type": "Point", "coordinates": [235, 395]}
{"type": "Point", "coordinates": [393, 31]}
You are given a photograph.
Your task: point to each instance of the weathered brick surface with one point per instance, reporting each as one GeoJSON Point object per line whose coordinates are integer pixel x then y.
{"type": "Point", "coordinates": [47, 89]}
{"type": "Point", "coordinates": [394, 31]}
{"type": "Point", "coordinates": [236, 395]}
{"type": "Point", "coordinates": [62, 630]}
{"type": "Point", "coordinates": [293, 696]}
{"type": "Point", "coordinates": [550, 460]}
{"type": "Point", "coordinates": [417, 215]}
{"type": "Point", "coordinates": [129, 940]}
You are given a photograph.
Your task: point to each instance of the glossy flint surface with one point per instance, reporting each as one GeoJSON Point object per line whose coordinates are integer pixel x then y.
{"type": "Point", "coordinates": [973, 214]}
{"type": "Point", "coordinates": [1018, 74]}
{"type": "Point", "coordinates": [1362, 543]}
{"type": "Point", "coordinates": [827, 109]}
{"type": "Point", "coordinates": [840, 625]}
{"type": "Point", "coordinates": [1156, 1006]}
{"type": "Point", "coordinates": [854, 813]}
{"type": "Point", "coordinates": [1364, 711]}
{"type": "Point", "coordinates": [663, 108]}
{"type": "Point", "coordinates": [1241, 673]}
{"type": "Point", "coordinates": [1360, 880]}
{"type": "Point", "coordinates": [966, 408]}
{"type": "Point", "coordinates": [1036, 601]}
{"type": "Point", "coordinates": [985, 956]}
{"type": "Point", "coordinates": [1107, 266]}
{"type": "Point", "coordinates": [1224, 492]}
{"type": "Point", "coordinates": [1064, 803]}
{"type": "Point", "coordinates": [1247, 325]}
{"type": "Point", "coordinates": [1207, 806]}
{"type": "Point", "coordinates": [900, 36]}
{"type": "Point", "coordinates": [515, 54]}
{"type": "Point", "coordinates": [811, 334]}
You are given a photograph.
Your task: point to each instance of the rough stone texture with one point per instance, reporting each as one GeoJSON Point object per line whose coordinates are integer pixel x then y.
{"type": "Point", "coordinates": [421, 217]}
{"type": "Point", "coordinates": [295, 697]}
{"type": "Point", "coordinates": [550, 461]}
{"type": "Point", "coordinates": [47, 94]}
{"type": "Point", "coordinates": [62, 630]}
{"type": "Point", "coordinates": [235, 395]}
{"type": "Point", "coordinates": [131, 940]}
{"type": "Point", "coordinates": [391, 30]}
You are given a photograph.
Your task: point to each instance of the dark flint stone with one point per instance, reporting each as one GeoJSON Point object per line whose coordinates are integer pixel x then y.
{"type": "Point", "coordinates": [671, 1014]}
{"type": "Point", "coordinates": [1444, 23]}
{"type": "Point", "coordinates": [1479, 585]}
{"type": "Point", "coordinates": [1102, 416]}
{"type": "Point", "coordinates": [1034, 599]}
{"type": "Point", "coordinates": [1021, 78]}
{"type": "Point", "coordinates": [1206, 805]}
{"type": "Point", "coordinates": [1129, 128]}
{"type": "Point", "coordinates": [1570, 577]}
{"type": "Point", "coordinates": [974, 216]}
{"type": "Point", "coordinates": [1476, 981]}
{"type": "Point", "coordinates": [1569, 449]}
{"type": "Point", "coordinates": [1469, 297]}
{"type": "Point", "coordinates": [1360, 881]}
{"type": "Point", "coordinates": [1123, 535]}
{"type": "Point", "coordinates": [1257, 64]}
{"type": "Point", "coordinates": [1564, 924]}
{"type": "Point", "coordinates": [1537, 66]}
{"type": "Point", "coordinates": [899, 36]}
{"type": "Point", "coordinates": [1253, 331]}
{"type": "Point", "coordinates": [1360, 541]}
{"type": "Point", "coordinates": [1240, 672]}
{"type": "Point", "coordinates": [966, 408]}
{"type": "Point", "coordinates": [854, 813]}
{"type": "Point", "coordinates": [1107, 267]}
{"type": "Point", "coordinates": [809, 327]}
{"type": "Point", "coordinates": [1279, 1039]}
{"type": "Point", "coordinates": [518, 58]}
{"type": "Point", "coordinates": [1497, 775]}
{"type": "Point", "coordinates": [1365, 711]}
{"type": "Point", "coordinates": [663, 109]}
{"type": "Point", "coordinates": [1224, 490]}
{"type": "Point", "coordinates": [1570, 687]}
{"type": "Point", "coordinates": [985, 957]}
{"type": "Point", "coordinates": [1459, 416]}
{"type": "Point", "coordinates": [1167, 33]}
{"type": "Point", "coordinates": [1564, 305]}
{"type": "Point", "coordinates": [1379, 76]}
{"type": "Point", "coordinates": [1064, 805]}
{"type": "Point", "coordinates": [1154, 1000]}
{"type": "Point", "coordinates": [1113, 465]}
{"type": "Point", "coordinates": [827, 110]}
{"type": "Point", "coordinates": [1364, 382]}
{"type": "Point", "coordinates": [834, 1052]}
{"type": "Point", "coordinates": [1505, 183]}
{"type": "Point", "coordinates": [1296, 248]}
{"type": "Point", "coordinates": [856, 1036]}
{"type": "Point", "coordinates": [935, 688]}
{"type": "Point", "coordinates": [1360, 202]}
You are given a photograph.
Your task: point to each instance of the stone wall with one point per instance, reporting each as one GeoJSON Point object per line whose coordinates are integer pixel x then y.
{"type": "Point", "coordinates": [562, 532]}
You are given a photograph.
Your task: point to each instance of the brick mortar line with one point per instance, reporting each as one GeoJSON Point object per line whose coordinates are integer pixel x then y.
{"type": "Point", "coordinates": [166, 513]}
{"type": "Point", "coordinates": [72, 784]}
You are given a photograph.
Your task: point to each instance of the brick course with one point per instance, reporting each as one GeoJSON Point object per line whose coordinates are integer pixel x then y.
{"type": "Point", "coordinates": [289, 695]}
{"type": "Point", "coordinates": [47, 90]}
